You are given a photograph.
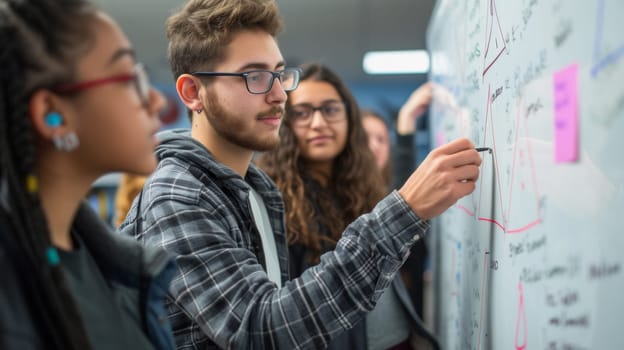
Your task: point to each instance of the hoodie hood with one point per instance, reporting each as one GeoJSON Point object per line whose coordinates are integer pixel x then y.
{"type": "Point", "coordinates": [179, 147]}
{"type": "Point", "coordinates": [178, 143]}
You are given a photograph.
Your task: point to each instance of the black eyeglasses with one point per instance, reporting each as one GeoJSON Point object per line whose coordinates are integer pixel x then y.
{"type": "Point", "coordinates": [261, 81]}
{"type": "Point", "coordinates": [138, 77]}
{"type": "Point", "coordinates": [301, 115]}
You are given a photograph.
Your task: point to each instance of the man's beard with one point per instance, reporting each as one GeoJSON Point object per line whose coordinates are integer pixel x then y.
{"type": "Point", "coordinates": [236, 129]}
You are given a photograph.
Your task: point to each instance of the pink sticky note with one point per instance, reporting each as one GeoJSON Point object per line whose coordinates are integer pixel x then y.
{"type": "Point", "coordinates": [441, 138]}
{"type": "Point", "coordinates": [566, 114]}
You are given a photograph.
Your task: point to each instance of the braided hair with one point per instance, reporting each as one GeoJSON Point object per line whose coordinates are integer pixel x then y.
{"type": "Point", "coordinates": [39, 40]}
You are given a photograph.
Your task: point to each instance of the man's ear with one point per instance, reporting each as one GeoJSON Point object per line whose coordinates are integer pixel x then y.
{"type": "Point", "coordinates": [48, 115]}
{"type": "Point", "coordinates": [188, 88]}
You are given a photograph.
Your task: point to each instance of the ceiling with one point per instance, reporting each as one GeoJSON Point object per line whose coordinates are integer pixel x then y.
{"type": "Point", "coordinates": [335, 32]}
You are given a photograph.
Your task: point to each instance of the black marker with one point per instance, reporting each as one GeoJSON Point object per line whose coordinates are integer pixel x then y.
{"type": "Point", "coordinates": [483, 149]}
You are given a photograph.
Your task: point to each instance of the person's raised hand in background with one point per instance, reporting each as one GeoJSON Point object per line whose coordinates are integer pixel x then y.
{"type": "Point", "coordinates": [413, 109]}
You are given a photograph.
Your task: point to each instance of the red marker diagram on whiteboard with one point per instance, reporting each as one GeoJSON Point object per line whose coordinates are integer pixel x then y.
{"type": "Point", "coordinates": [521, 180]}
{"type": "Point", "coordinates": [494, 39]}
{"type": "Point", "coordinates": [520, 339]}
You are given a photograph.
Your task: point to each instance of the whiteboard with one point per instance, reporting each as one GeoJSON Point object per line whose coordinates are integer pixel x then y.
{"type": "Point", "coordinates": [533, 258]}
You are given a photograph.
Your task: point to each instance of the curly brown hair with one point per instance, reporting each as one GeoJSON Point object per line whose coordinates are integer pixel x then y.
{"type": "Point", "coordinates": [354, 188]}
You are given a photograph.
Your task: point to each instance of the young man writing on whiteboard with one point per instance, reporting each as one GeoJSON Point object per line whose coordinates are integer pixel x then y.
{"type": "Point", "coordinates": [224, 219]}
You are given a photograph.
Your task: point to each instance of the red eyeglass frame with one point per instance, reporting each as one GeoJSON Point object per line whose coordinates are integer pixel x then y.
{"type": "Point", "coordinates": [85, 85]}
{"type": "Point", "coordinates": [139, 77]}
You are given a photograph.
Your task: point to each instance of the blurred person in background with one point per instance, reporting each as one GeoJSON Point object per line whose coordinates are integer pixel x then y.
{"type": "Point", "coordinates": [130, 185]}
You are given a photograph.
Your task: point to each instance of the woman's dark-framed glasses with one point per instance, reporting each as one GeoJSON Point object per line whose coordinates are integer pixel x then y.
{"type": "Point", "coordinates": [138, 77]}
{"type": "Point", "coordinates": [261, 81]}
{"type": "Point", "coordinates": [301, 114]}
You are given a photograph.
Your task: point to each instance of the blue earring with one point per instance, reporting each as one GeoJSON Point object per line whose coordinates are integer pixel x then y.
{"type": "Point", "coordinates": [54, 119]}
{"type": "Point", "coordinates": [67, 142]}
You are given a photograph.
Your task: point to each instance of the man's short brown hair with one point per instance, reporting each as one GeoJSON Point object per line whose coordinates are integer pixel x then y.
{"type": "Point", "coordinates": [199, 32]}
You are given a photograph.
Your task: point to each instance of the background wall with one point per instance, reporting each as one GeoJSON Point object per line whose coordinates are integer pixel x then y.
{"type": "Point", "coordinates": [334, 32]}
{"type": "Point", "coordinates": [533, 258]}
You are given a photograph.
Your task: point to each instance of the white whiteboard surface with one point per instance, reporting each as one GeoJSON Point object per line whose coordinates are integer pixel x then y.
{"type": "Point", "coordinates": [533, 258]}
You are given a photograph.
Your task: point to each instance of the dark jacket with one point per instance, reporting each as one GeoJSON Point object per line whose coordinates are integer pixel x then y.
{"type": "Point", "coordinates": [356, 337]}
{"type": "Point", "coordinates": [142, 274]}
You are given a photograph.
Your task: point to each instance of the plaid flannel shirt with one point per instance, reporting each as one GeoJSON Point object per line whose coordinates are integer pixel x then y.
{"type": "Point", "coordinates": [197, 209]}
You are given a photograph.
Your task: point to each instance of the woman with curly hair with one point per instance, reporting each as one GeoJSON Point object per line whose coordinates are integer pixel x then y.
{"type": "Point", "coordinates": [328, 177]}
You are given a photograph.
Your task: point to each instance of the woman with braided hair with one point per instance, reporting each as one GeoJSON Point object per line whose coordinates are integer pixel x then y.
{"type": "Point", "coordinates": [74, 105]}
